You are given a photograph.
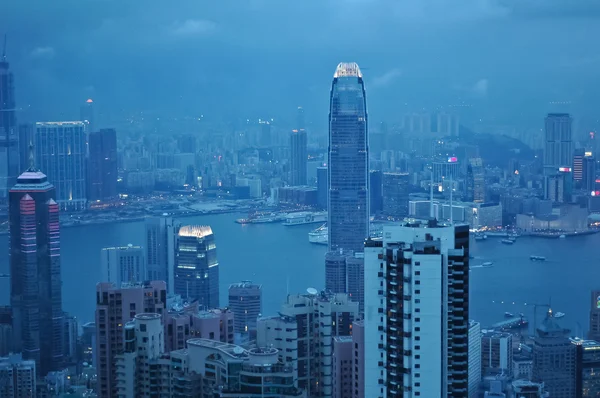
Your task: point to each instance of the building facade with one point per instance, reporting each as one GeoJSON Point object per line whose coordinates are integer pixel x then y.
{"type": "Point", "coordinates": [558, 142]}
{"type": "Point", "coordinates": [196, 266]}
{"type": "Point", "coordinates": [123, 264]}
{"type": "Point", "coordinates": [35, 294]}
{"type": "Point", "coordinates": [102, 165]}
{"type": "Point", "coordinates": [474, 358]}
{"type": "Point", "coordinates": [9, 137]}
{"type": "Point", "coordinates": [395, 195]}
{"type": "Point", "coordinates": [594, 333]}
{"type": "Point", "coordinates": [417, 311]}
{"type": "Point", "coordinates": [299, 157]}
{"type": "Point", "coordinates": [496, 353]}
{"type": "Point", "coordinates": [245, 301]}
{"type": "Point", "coordinates": [348, 161]}
{"type": "Point", "coordinates": [160, 244]}
{"type": "Point", "coordinates": [17, 377]}
{"type": "Point", "coordinates": [587, 375]}
{"type": "Point", "coordinates": [60, 150]}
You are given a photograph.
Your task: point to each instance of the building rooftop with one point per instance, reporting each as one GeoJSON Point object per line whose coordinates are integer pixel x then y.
{"type": "Point", "coordinates": [245, 285]}
{"type": "Point", "coordinates": [56, 124]}
{"type": "Point", "coordinates": [347, 69]}
{"type": "Point", "coordinates": [231, 350]}
{"type": "Point", "coordinates": [195, 231]}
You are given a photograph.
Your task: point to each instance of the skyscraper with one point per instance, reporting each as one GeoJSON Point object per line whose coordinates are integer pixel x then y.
{"type": "Point", "coordinates": [476, 174]}
{"type": "Point", "coordinates": [298, 157]}
{"type": "Point", "coordinates": [123, 264]}
{"type": "Point", "coordinates": [60, 151]}
{"type": "Point", "coordinates": [18, 377]}
{"type": "Point", "coordinates": [322, 187]}
{"type": "Point", "coordinates": [36, 297]}
{"type": "Point", "coordinates": [594, 333]}
{"type": "Point", "coordinates": [375, 191]}
{"type": "Point", "coordinates": [245, 301]}
{"type": "Point", "coordinates": [161, 241]}
{"type": "Point", "coordinates": [558, 151]}
{"type": "Point", "coordinates": [9, 144]}
{"type": "Point", "coordinates": [348, 199]}
{"type": "Point", "coordinates": [587, 360]}
{"type": "Point", "coordinates": [395, 195]}
{"type": "Point", "coordinates": [417, 307]}
{"type": "Point", "coordinates": [102, 165]}
{"type": "Point", "coordinates": [474, 358]}
{"type": "Point", "coordinates": [196, 265]}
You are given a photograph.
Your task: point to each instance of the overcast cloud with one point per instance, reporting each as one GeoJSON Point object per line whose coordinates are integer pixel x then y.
{"type": "Point", "coordinates": [263, 58]}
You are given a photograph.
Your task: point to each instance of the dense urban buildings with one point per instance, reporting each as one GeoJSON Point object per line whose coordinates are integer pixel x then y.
{"type": "Point", "coordinates": [9, 144]}
{"type": "Point", "coordinates": [245, 301]}
{"type": "Point", "coordinates": [123, 264]}
{"type": "Point", "coordinates": [196, 265]}
{"type": "Point", "coordinates": [298, 157]}
{"type": "Point", "coordinates": [417, 311]}
{"type": "Point", "coordinates": [558, 144]}
{"type": "Point", "coordinates": [17, 377]}
{"type": "Point", "coordinates": [60, 151]}
{"type": "Point", "coordinates": [35, 281]}
{"type": "Point", "coordinates": [102, 165]}
{"type": "Point", "coordinates": [115, 306]}
{"type": "Point", "coordinates": [160, 243]}
{"type": "Point", "coordinates": [348, 160]}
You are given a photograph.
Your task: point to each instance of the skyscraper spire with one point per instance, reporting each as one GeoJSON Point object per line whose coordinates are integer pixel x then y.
{"type": "Point", "coordinates": [31, 158]}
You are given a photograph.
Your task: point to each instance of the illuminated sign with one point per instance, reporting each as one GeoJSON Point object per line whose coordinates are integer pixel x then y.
{"type": "Point", "coordinates": [452, 159]}
{"type": "Point", "coordinates": [588, 154]}
{"type": "Point", "coordinates": [595, 193]}
{"type": "Point", "coordinates": [564, 169]}
{"type": "Point", "coordinates": [598, 302]}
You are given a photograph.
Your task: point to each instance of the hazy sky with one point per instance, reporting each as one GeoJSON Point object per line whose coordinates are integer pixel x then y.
{"type": "Point", "coordinates": [510, 58]}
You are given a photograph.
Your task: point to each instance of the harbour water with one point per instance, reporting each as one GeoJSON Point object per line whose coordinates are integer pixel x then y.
{"type": "Point", "coordinates": [282, 259]}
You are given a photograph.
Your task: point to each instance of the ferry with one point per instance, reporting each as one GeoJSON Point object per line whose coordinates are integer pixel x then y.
{"type": "Point", "coordinates": [305, 217]}
{"type": "Point", "coordinates": [537, 258]}
{"type": "Point", "coordinates": [319, 235]}
{"type": "Point", "coordinates": [479, 237]}
{"type": "Point", "coordinates": [562, 236]}
{"type": "Point", "coordinates": [257, 218]}
{"type": "Point", "coordinates": [559, 314]}
{"type": "Point", "coordinates": [507, 241]}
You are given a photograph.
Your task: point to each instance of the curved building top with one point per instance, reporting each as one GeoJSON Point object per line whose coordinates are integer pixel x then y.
{"type": "Point", "coordinates": [347, 69]}
{"type": "Point", "coordinates": [196, 231]}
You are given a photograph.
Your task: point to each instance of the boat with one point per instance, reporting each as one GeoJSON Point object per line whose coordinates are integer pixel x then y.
{"type": "Point", "coordinates": [507, 241]}
{"type": "Point", "coordinates": [509, 315]}
{"type": "Point", "coordinates": [305, 217]}
{"type": "Point", "coordinates": [319, 235]}
{"type": "Point", "coordinates": [562, 237]}
{"type": "Point", "coordinates": [258, 218]}
{"type": "Point", "coordinates": [487, 264]}
{"type": "Point", "coordinates": [537, 258]}
{"type": "Point", "coordinates": [479, 237]}
{"type": "Point", "coordinates": [559, 314]}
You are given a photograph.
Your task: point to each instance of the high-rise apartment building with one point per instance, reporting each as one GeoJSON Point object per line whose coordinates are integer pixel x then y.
{"type": "Point", "coordinates": [298, 158]}
{"type": "Point", "coordinates": [348, 161]}
{"type": "Point", "coordinates": [60, 150]}
{"type": "Point", "coordinates": [554, 358]}
{"type": "Point", "coordinates": [594, 333]}
{"type": "Point", "coordinates": [496, 353]}
{"type": "Point", "coordinates": [587, 362]}
{"type": "Point", "coordinates": [417, 311]}
{"type": "Point", "coordinates": [344, 273]}
{"type": "Point", "coordinates": [102, 165]}
{"type": "Point", "coordinates": [335, 271]}
{"type": "Point", "coordinates": [303, 333]}
{"type": "Point", "coordinates": [558, 142]}
{"type": "Point", "coordinates": [342, 367]}
{"type": "Point", "coordinates": [35, 294]}
{"type": "Point", "coordinates": [9, 143]}
{"type": "Point", "coordinates": [123, 264]}
{"type": "Point", "coordinates": [196, 265]}
{"type": "Point", "coordinates": [245, 301]}
{"type": "Point", "coordinates": [115, 306]}
{"type": "Point", "coordinates": [474, 358]}
{"type": "Point", "coordinates": [395, 195]}
{"type": "Point", "coordinates": [355, 279]}
{"type": "Point", "coordinates": [476, 181]}
{"type": "Point", "coordinates": [17, 377]}
{"type": "Point", "coordinates": [160, 244]}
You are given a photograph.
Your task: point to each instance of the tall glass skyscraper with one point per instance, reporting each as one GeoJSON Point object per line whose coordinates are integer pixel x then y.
{"type": "Point", "coordinates": [9, 144]}
{"type": "Point", "coordinates": [348, 199]}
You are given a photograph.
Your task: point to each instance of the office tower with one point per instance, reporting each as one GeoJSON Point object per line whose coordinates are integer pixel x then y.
{"type": "Point", "coordinates": [395, 195]}
{"type": "Point", "coordinates": [238, 372]}
{"type": "Point", "coordinates": [358, 356]}
{"type": "Point", "coordinates": [578, 156]}
{"type": "Point", "coordinates": [60, 151]}
{"type": "Point", "coordinates": [36, 298]}
{"type": "Point", "coordinates": [322, 187]}
{"type": "Point", "coordinates": [589, 172]}
{"type": "Point", "coordinates": [496, 353]}
{"type": "Point", "coordinates": [335, 272]}
{"type": "Point", "coordinates": [474, 358]}
{"type": "Point", "coordinates": [88, 116]}
{"type": "Point", "coordinates": [303, 333]}
{"type": "Point", "coordinates": [417, 307]}
{"type": "Point", "coordinates": [265, 133]}
{"type": "Point", "coordinates": [558, 151]}
{"type": "Point", "coordinates": [102, 165]}
{"type": "Point", "coordinates": [245, 301]}
{"type": "Point", "coordinates": [376, 191]}
{"type": "Point", "coordinates": [9, 144]}
{"type": "Point", "coordinates": [341, 372]}
{"type": "Point", "coordinates": [196, 265]}
{"type": "Point", "coordinates": [300, 121]}
{"type": "Point", "coordinates": [161, 241]}
{"type": "Point", "coordinates": [528, 389]}
{"type": "Point", "coordinates": [355, 279]}
{"type": "Point", "coordinates": [298, 158]}
{"type": "Point", "coordinates": [138, 364]}
{"type": "Point", "coordinates": [70, 337]}
{"type": "Point", "coordinates": [348, 199]}
{"type": "Point", "coordinates": [554, 358]}
{"type": "Point", "coordinates": [477, 179]}
{"type": "Point", "coordinates": [594, 333]}
{"type": "Point", "coordinates": [123, 264]}
{"type": "Point", "coordinates": [587, 361]}
{"type": "Point", "coordinates": [468, 193]}
{"type": "Point", "coordinates": [115, 306]}
{"type": "Point", "coordinates": [17, 377]}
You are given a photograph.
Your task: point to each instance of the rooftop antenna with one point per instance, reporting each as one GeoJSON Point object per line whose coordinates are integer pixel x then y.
{"type": "Point", "coordinates": [431, 195]}
{"type": "Point", "coordinates": [451, 218]}
{"type": "Point", "coordinates": [4, 50]}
